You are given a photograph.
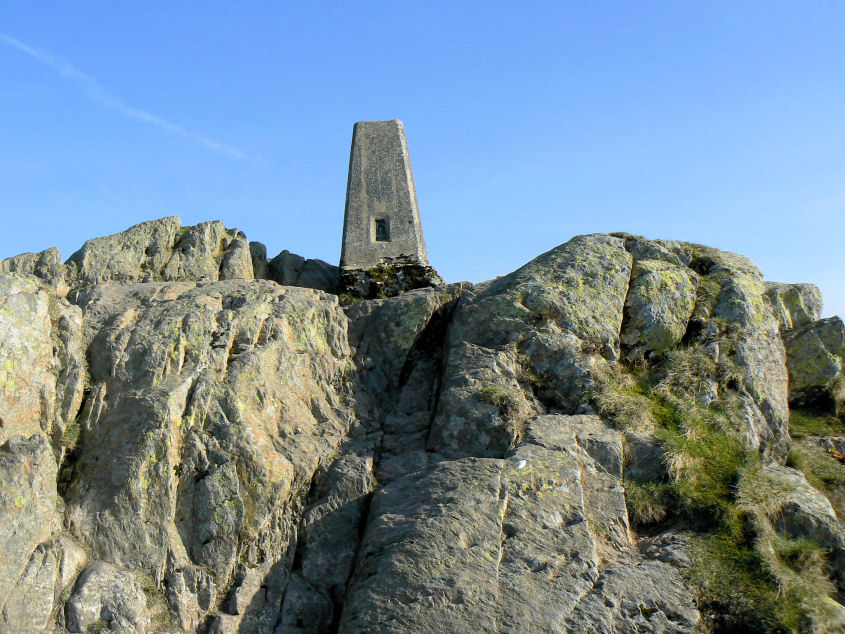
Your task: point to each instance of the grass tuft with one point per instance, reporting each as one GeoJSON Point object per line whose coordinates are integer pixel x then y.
{"type": "Point", "coordinates": [746, 576]}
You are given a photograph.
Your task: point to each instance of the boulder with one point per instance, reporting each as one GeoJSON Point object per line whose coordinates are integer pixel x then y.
{"type": "Point", "coordinates": [815, 354]}
{"type": "Point", "coordinates": [258, 253]}
{"type": "Point", "coordinates": [48, 575]}
{"type": "Point", "coordinates": [161, 250]}
{"type": "Point", "coordinates": [289, 269]}
{"type": "Point", "coordinates": [211, 407]}
{"type": "Point", "coordinates": [46, 265]}
{"type": "Point", "coordinates": [42, 364]}
{"type": "Point", "coordinates": [803, 512]}
{"type": "Point", "coordinates": [27, 518]}
{"type": "Point", "coordinates": [794, 305]}
{"type": "Point", "coordinates": [659, 304]}
{"type": "Point", "coordinates": [105, 594]}
{"type": "Point", "coordinates": [530, 339]}
{"type": "Point", "coordinates": [734, 324]}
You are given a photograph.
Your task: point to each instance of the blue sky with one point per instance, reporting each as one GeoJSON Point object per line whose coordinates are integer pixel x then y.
{"type": "Point", "coordinates": [528, 123]}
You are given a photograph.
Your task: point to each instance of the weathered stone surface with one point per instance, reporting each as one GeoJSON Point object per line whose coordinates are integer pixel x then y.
{"type": "Point", "coordinates": [138, 254]}
{"type": "Point", "coordinates": [46, 265]}
{"type": "Point", "coordinates": [484, 544]}
{"type": "Point", "coordinates": [237, 260]}
{"type": "Point", "coordinates": [805, 513]}
{"type": "Point", "coordinates": [258, 253]}
{"type": "Point", "coordinates": [670, 546]}
{"type": "Point", "coordinates": [306, 610]}
{"type": "Point", "coordinates": [398, 355]}
{"type": "Point", "coordinates": [533, 337]}
{"type": "Point", "coordinates": [27, 507]}
{"type": "Point", "coordinates": [30, 602]}
{"type": "Point", "coordinates": [389, 278]}
{"type": "Point", "coordinates": [161, 250]}
{"type": "Point", "coordinates": [215, 403]}
{"type": "Point", "coordinates": [815, 355]}
{"type": "Point", "coordinates": [647, 597]}
{"type": "Point", "coordinates": [106, 594]}
{"type": "Point", "coordinates": [207, 251]}
{"type": "Point", "coordinates": [41, 359]}
{"type": "Point", "coordinates": [289, 269]}
{"type": "Point", "coordinates": [794, 305]}
{"type": "Point", "coordinates": [331, 526]}
{"type": "Point", "coordinates": [382, 220]}
{"type": "Point", "coordinates": [48, 575]}
{"type": "Point", "coordinates": [733, 323]}
{"type": "Point", "coordinates": [255, 458]}
{"type": "Point", "coordinates": [644, 457]}
{"type": "Point", "coordinates": [658, 306]}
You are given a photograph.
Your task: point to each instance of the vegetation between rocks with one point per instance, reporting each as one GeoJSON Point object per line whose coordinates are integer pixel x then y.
{"type": "Point", "coordinates": [747, 577]}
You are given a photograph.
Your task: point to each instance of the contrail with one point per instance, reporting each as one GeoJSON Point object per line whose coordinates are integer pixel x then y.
{"type": "Point", "coordinates": [95, 91]}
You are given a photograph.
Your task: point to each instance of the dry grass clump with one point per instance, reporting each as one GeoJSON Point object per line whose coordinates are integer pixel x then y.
{"type": "Point", "coordinates": [512, 408]}
{"type": "Point", "coordinates": [748, 577]}
{"type": "Point", "coordinates": [648, 502]}
{"type": "Point", "coordinates": [799, 567]}
{"type": "Point", "coordinates": [621, 396]}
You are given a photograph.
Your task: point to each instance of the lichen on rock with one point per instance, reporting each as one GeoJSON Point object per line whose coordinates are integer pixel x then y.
{"type": "Point", "coordinates": [201, 439]}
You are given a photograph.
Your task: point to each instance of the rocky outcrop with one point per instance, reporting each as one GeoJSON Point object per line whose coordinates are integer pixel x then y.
{"type": "Point", "coordinates": [289, 269]}
{"type": "Point", "coordinates": [794, 305]}
{"type": "Point", "coordinates": [42, 364]}
{"type": "Point", "coordinates": [27, 518]}
{"type": "Point", "coordinates": [734, 326]}
{"type": "Point", "coordinates": [803, 512]}
{"type": "Point", "coordinates": [46, 265]}
{"type": "Point", "coordinates": [106, 595]}
{"type": "Point", "coordinates": [219, 400]}
{"type": "Point", "coordinates": [532, 337]}
{"type": "Point", "coordinates": [514, 544]}
{"type": "Point", "coordinates": [163, 250]}
{"type": "Point", "coordinates": [658, 306]}
{"type": "Point", "coordinates": [816, 361]}
{"type": "Point", "coordinates": [201, 439]}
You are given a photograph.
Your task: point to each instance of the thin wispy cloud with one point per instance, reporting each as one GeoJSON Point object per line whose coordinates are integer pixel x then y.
{"type": "Point", "coordinates": [95, 91]}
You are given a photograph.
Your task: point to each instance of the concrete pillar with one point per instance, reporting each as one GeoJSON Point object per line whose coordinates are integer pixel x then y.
{"type": "Point", "coordinates": [382, 221]}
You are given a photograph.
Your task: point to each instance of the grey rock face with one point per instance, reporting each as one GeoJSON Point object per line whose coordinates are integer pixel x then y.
{"type": "Point", "coordinates": [251, 457]}
{"type": "Point", "coordinates": [530, 338]}
{"type": "Point", "coordinates": [399, 352]}
{"type": "Point", "coordinates": [289, 269]}
{"type": "Point", "coordinates": [806, 513]}
{"type": "Point", "coordinates": [27, 518]}
{"type": "Point", "coordinates": [659, 304]}
{"type": "Point", "coordinates": [510, 545]}
{"type": "Point", "coordinates": [47, 577]}
{"type": "Point", "coordinates": [794, 305]}
{"type": "Point", "coordinates": [161, 250]}
{"type": "Point", "coordinates": [46, 265]}
{"type": "Point", "coordinates": [42, 365]}
{"type": "Point", "coordinates": [644, 458]}
{"type": "Point", "coordinates": [816, 358]}
{"type": "Point", "coordinates": [218, 401]}
{"type": "Point", "coordinates": [733, 323]}
{"type": "Point", "coordinates": [106, 594]}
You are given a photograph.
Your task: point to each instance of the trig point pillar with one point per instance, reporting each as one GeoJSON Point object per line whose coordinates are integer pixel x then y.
{"type": "Point", "coordinates": [383, 250]}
